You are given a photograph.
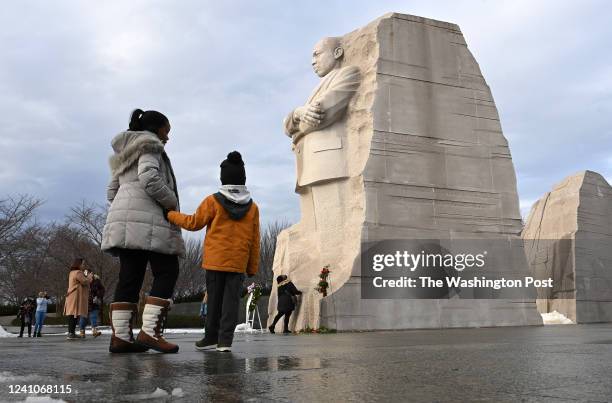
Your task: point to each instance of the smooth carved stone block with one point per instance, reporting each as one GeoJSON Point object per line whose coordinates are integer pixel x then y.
{"type": "Point", "coordinates": [422, 156]}
{"type": "Point", "coordinates": [568, 236]}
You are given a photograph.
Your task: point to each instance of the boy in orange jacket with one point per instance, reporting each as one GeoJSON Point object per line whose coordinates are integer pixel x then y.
{"type": "Point", "coordinates": [231, 249]}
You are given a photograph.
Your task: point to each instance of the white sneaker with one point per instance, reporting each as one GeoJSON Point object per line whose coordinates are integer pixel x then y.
{"type": "Point", "coordinates": [224, 349]}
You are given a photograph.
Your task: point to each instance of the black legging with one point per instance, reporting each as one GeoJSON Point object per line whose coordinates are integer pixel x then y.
{"type": "Point", "coordinates": [72, 322]}
{"type": "Point", "coordinates": [286, 322]}
{"type": "Point", "coordinates": [23, 325]}
{"type": "Point", "coordinates": [133, 263]}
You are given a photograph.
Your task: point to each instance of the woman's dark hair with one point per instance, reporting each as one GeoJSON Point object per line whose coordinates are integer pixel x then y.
{"type": "Point", "coordinates": [281, 278]}
{"type": "Point", "coordinates": [76, 263]}
{"type": "Point", "coordinates": [149, 120]}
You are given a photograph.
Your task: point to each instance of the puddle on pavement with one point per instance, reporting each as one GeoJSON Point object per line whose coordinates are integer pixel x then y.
{"type": "Point", "coordinates": [215, 365]}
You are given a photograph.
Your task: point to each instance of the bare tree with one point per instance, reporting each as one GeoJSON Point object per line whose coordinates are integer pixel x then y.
{"type": "Point", "coordinates": [88, 221]}
{"type": "Point", "coordinates": [266, 251]}
{"type": "Point", "coordinates": [53, 248]}
{"type": "Point", "coordinates": [192, 278]}
{"type": "Point", "coordinates": [34, 257]}
{"type": "Point", "coordinates": [64, 243]}
{"type": "Point", "coordinates": [16, 213]}
{"type": "Point", "coordinates": [20, 239]}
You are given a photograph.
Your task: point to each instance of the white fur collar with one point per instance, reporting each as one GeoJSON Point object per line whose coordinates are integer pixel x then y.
{"type": "Point", "coordinates": [129, 146]}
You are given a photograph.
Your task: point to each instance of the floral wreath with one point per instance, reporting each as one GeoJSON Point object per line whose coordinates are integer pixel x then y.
{"type": "Point", "coordinates": [323, 283]}
{"type": "Point", "coordinates": [255, 290]}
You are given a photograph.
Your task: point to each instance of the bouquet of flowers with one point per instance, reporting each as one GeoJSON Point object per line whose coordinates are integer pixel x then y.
{"type": "Point", "coordinates": [323, 283]}
{"type": "Point", "coordinates": [255, 290]}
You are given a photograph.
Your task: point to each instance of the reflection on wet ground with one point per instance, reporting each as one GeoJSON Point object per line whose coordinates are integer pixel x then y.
{"type": "Point", "coordinates": [219, 365]}
{"type": "Point", "coordinates": [553, 363]}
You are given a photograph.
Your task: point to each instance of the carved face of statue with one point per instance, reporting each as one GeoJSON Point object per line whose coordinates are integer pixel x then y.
{"type": "Point", "coordinates": [326, 55]}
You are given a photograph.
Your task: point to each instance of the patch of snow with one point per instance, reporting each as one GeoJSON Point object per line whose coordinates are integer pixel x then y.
{"type": "Point", "coordinates": [556, 318]}
{"type": "Point", "coordinates": [4, 333]}
{"type": "Point", "coordinates": [246, 328]}
{"type": "Point", "coordinates": [156, 394]}
{"type": "Point", "coordinates": [166, 331]}
{"type": "Point", "coordinates": [108, 330]}
{"type": "Point", "coordinates": [183, 331]}
{"type": "Point", "coordinates": [243, 327]}
{"type": "Point", "coordinates": [7, 377]}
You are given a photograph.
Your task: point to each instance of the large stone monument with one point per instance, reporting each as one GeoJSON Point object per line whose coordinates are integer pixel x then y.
{"type": "Point", "coordinates": [568, 237]}
{"type": "Point", "coordinates": [400, 140]}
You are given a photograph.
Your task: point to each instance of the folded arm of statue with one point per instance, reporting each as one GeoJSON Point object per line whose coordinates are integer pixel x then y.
{"type": "Point", "coordinates": [330, 106]}
{"type": "Point", "coordinates": [290, 124]}
{"type": "Point", "coordinates": [303, 119]}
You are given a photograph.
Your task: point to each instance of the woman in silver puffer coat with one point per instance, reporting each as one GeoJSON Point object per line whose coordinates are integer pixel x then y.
{"type": "Point", "coordinates": [142, 186]}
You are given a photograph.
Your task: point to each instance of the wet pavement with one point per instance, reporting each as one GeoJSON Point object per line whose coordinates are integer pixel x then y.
{"type": "Point", "coordinates": [563, 363]}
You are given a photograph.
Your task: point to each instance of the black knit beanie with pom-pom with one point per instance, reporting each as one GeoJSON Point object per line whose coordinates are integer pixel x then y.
{"type": "Point", "coordinates": [232, 170]}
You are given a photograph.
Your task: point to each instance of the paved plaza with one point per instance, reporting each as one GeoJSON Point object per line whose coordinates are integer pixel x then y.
{"type": "Point", "coordinates": [532, 364]}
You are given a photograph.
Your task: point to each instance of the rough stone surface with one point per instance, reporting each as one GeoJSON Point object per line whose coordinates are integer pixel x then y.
{"type": "Point", "coordinates": [426, 158]}
{"type": "Point", "coordinates": [568, 237]}
{"type": "Point", "coordinates": [561, 363]}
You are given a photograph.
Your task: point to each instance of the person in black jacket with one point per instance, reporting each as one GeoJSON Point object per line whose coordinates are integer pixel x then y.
{"type": "Point", "coordinates": [96, 302]}
{"type": "Point", "coordinates": [287, 294]}
{"type": "Point", "coordinates": [26, 315]}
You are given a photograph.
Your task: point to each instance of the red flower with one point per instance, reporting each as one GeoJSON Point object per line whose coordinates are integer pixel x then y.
{"type": "Point", "coordinates": [323, 284]}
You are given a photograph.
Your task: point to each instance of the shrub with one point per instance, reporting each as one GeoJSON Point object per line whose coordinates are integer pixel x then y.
{"type": "Point", "coordinates": [7, 310]}
{"type": "Point", "coordinates": [49, 320]}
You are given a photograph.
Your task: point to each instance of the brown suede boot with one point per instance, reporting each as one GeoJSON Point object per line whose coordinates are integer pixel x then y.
{"type": "Point", "coordinates": [122, 316]}
{"type": "Point", "coordinates": [154, 316]}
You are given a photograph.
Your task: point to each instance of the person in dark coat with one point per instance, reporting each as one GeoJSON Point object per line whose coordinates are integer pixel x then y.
{"type": "Point", "coordinates": [287, 295]}
{"type": "Point", "coordinates": [96, 301]}
{"type": "Point", "coordinates": [26, 315]}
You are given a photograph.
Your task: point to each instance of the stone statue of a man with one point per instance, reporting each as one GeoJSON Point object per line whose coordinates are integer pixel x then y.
{"type": "Point", "coordinates": [316, 128]}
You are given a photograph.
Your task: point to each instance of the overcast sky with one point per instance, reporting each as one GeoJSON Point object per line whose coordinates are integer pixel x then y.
{"type": "Point", "coordinates": [226, 73]}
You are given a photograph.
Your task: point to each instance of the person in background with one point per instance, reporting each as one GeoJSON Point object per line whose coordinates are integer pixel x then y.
{"type": "Point", "coordinates": [77, 297]}
{"type": "Point", "coordinates": [204, 307]}
{"type": "Point", "coordinates": [287, 294]}
{"type": "Point", "coordinates": [96, 300]}
{"type": "Point", "coordinates": [26, 315]}
{"type": "Point", "coordinates": [41, 312]}
{"type": "Point", "coordinates": [231, 249]}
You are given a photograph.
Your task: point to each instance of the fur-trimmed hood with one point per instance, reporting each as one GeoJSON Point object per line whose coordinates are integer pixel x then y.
{"type": "Point", "coordinates": [129, 146]}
